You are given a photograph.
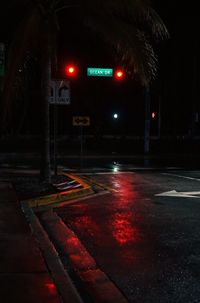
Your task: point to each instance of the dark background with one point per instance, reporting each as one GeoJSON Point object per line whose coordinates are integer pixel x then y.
{"type": "Point", "coordinates": [176, 86]}
{"type": "Point", "coordinates": [175, 89]}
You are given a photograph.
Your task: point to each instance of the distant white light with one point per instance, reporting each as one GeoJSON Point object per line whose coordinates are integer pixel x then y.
{"type": "Point", "coordinates": [115, 116]}
{"type": "Point", "coordinates": [115, 169]}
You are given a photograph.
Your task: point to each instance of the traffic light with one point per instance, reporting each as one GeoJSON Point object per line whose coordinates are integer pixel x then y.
{"type": "Point", "coordinates": [71, 70]}
{"type": "Point", "coordinates": [153, 115]}
{"type": "Point", "coordinates": [119, 74]}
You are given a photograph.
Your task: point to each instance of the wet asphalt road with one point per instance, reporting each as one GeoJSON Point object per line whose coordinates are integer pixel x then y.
{"type": "Point", "coordinates": [148, 245]}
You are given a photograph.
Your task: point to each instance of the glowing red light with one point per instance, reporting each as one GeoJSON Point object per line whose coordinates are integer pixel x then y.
{"type": "Point", "coordinates": [70, 70]}
{"type": "Point", "coordinates": [119, 74]}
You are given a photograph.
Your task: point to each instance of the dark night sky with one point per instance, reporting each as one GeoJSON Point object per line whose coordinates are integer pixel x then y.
{"type": "Point", "coordinates": [179, 64]}
{"type": "Point", "coordinates": [176, 84]}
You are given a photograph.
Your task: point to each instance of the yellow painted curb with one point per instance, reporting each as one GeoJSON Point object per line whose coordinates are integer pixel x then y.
{"type": "Point", "coordinates": [62, 196]}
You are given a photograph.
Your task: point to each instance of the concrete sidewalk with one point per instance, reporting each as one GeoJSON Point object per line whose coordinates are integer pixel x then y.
{"type": "Point", "coordinates": [24, 276]}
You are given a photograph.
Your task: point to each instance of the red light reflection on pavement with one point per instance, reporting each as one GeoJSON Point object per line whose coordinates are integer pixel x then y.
{"type": "Point", "coordinates": [86, 222]}
{"type": "Point", "coordinates": [115, 227]}
{"type": "Point", "coordinates": [73, 242]}
{"type": "Point", "coordinates": [124, 187]}
{"type": "Point", "coordinates": [123, 221]}
{"type": "Point", "coordinates": [122, 228]}
{"type": "Point", "coordinates": [51, 287]}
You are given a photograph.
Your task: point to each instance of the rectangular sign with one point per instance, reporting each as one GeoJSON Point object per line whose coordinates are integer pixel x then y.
{"type": "Point", "coordinates": [2, 59]}
{"type": "Point", "coordinates": [60, 92]}
{"type": "Point", "coordinates": [81, 121]}
{"type": "Point", "coordinates": [99, 72]}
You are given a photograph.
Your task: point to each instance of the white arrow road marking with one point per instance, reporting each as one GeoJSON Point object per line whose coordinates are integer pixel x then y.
{"type": "Point", "coordinates": [174, 193]}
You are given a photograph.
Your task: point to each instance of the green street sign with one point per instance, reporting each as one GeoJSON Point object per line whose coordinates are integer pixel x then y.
{"type": "Point", "coordinates": [2, 59]}
{"type": "Point", "coordinates": [99, 72]}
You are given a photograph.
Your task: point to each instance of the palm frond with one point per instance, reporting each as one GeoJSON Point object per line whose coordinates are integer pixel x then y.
{"type": "Point", "coordinates": [129, 36]}
{"type": "Point", "coordinates": [128, 26]}
{"type": "Point", "coordinates": [138, 12]}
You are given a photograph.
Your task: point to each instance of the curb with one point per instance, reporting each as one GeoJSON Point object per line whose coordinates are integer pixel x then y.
{"type": "Point", "coordinates": [99, 286]}
{"type": "Point", "coordinates": [62, 196]}
{"type": "Point", "coordinates": [63, 282]}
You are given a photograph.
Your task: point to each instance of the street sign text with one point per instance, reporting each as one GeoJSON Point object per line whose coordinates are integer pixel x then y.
{"type": "Point", "coordinates": [99, 72]}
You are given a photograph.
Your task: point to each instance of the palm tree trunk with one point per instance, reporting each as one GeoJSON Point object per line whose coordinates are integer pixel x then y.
{"type": "Point", "coordinates": [45, 167]}
{"type": "Point", "coordinates": [147, 120]}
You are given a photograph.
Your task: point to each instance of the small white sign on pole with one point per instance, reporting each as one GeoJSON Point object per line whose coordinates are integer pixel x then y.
{"type": "Point", "coordinates": [60, 92]}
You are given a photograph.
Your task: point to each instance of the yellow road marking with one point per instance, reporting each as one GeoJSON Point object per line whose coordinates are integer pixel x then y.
{"type": "Point", "coordinates": [62, 196]}
{"type": "Point", "coordinates": [75, 193]}
{"type": "Point", "coordinates": [104, 186]}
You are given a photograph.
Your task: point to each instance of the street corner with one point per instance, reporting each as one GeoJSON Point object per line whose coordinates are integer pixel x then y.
{"type": "Point", "coordinates": [71, 189]}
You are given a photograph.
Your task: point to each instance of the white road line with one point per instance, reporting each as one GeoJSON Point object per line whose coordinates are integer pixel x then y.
{"type": "Point", "coordinates": [105, 173]}
{"type": "Point", "coordinates": [180, 176]}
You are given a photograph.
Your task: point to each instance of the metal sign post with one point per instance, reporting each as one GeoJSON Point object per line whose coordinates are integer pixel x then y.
{"type": "Point", "coordinates": [55, 126]}
{"type": "Point", "coordinates": [81, 121]}
{"type": "Point", "coordinates": [81, 154]}
{"type": "Point", "coordinates": [60, 95]}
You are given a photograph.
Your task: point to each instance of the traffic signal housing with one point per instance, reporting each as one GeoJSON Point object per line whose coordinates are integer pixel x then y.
{"type": "Point", "coordinates": [153, 115]}
{"type": "Point", "coordinates": [71, 71]}
{"type": "Point", "coordinates": [119, 74]}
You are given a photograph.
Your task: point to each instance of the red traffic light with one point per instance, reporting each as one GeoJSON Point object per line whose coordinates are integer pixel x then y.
{"type": "Point", "coordinates": [119, 74]}
{"type": "Point", "coordinates": [70, 70]}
